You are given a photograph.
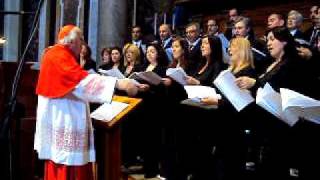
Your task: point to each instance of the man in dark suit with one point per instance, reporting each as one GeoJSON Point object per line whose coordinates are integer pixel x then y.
{"type": "Point", "coordinates": [136, 39]}
{"type": "Point", "coordinates": [232, 16]}
{"type": "Point", "coordinates": [194, 41]}
{"type": "Point", "coordinates": [213, 30]}
{"type": "Point", "coordinates": [243, 28]}
{"type": "Point", "coordinates": [294, 22]}
{"type": "Point", "coordinates": [166, 40]}
{"type": "Point", "coordinates": [311, 34]}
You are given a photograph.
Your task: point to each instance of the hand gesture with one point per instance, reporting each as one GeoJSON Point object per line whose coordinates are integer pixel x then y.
{"type": "Point", "coordinates": [166, 81]}
{"type": "Point", "coordinates": [192, 81]}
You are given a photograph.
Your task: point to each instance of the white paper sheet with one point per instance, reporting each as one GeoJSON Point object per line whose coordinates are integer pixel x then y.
{"type": "Point", "coordinates": [106, 112]}
{"type": "Point", "coordinates": [304, 106]}
{"type": "Point", "coordinates": [270, 100]}
{"type": "Point", "coordinates": [114, 72]}
{"type": "Point", "coordinates": [289, 106]}
{"type": "Point", "coordinates": [177, 74]}
{"type": "Point", "coordinates": [225, 82]}
{"type": "Point", "coordinates": [200, 91]}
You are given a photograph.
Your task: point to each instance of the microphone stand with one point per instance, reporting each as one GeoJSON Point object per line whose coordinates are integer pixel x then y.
{"type": "Point", "coordinates": [6, 122]}
{"type": "Point", "coordinates": [17, 12]}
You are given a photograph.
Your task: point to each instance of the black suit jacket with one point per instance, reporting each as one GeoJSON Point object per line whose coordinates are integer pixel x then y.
{"type": "Point", "coordinates": [168, 45]}
{"type": "Point", "coordinates": [299, 35]}
{"type": "Point", "coordinates": [289, 73]}
{"type": "Point", "coordinates": [194, 57]}
{"type": "Point", "coordinates": [210, 73]}
{"type": "Point", "coordinates": [261, 62]}
{"type": "Point", "coordinates": [308, 33]}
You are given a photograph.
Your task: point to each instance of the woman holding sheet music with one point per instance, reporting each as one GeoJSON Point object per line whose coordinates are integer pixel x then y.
{"type": "Point", "coordinates": [285, 72]}
{"type": "Point", "coordinates": [132, 60]}
{"type": "Point", "coordinates": [174, 162]}
{"type": "Point", "coordinates": [175, 91]}
{"type": "Point", "coordinates": [199, 147]}
{"type": "Point", "coordinates": [150, 118]}
{"type": "Point", "coordinates": [116, 57]}
{"type": "Point", "coordinates": [106, 62]}
{"type": "Point", "coordinates": [241, 63]}
{"type": "Point", "coordinates": [180, 54]}
{"type": "Point", "coordinates": [157, 62]}
{"type": "Point", "coordinates": [212, 63]}
{"type": "Point", "coordinates": [225, 134]}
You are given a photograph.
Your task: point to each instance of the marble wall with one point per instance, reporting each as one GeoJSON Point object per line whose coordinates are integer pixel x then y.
{"type": "Point", "coordinates": [107, 22]}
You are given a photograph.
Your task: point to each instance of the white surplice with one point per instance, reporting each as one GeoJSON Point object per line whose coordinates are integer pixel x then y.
{"type": "Point", "coordinates": [64, 132]}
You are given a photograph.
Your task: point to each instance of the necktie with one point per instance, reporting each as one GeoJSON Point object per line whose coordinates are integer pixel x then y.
{"type": "Point", "coordinates": [191, 46]}
{"type": "Point", "coordinates": [313, 38]}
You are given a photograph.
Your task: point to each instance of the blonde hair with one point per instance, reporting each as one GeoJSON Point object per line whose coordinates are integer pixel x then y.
{"type": "Point", "coordinates": [136, 53]}
{"type": "Point", "coordinates": [245, 54]}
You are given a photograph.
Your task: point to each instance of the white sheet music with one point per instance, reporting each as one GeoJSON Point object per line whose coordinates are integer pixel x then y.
{"type": "Point", "coordinates": [197, 103]}
{"type": "Point", "coordinates": [114, 72]}
{"type": "Point", "coordinates": [200, 91]}
{"type": "Point", "coordinates": [239, 98]}
{"type": "Point", "coordinates": [303, 106]}
{"type": "Point", "coordinates": [288, 105]}
{"type": "Point", "coordinates": [196, 93]}
{"type": "Point", "coordinates": [106, 112]}
{"type": "Point", "coordinates": [177, 74]}
{"type": "Point", "coordinates": [270, 100]}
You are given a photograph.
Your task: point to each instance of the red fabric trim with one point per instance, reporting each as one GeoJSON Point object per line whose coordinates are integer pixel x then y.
{"type": "Point", "coordinates": [59, 72]}
{"type": "Point", "coordinates": [53, 171]}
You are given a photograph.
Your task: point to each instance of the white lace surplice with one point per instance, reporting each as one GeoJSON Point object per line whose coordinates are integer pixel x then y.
{"type": "Point", "coordinates": [64, 132]}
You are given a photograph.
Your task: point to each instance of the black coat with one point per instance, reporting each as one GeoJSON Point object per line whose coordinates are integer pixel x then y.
{"type": "Point", "coordinates": [194, 57]}
{"type": "Point", "coordinates": [210, 73]}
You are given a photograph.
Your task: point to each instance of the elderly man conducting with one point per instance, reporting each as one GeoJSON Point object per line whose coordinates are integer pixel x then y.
{"type": "Point", "coordinates": [64, 132]}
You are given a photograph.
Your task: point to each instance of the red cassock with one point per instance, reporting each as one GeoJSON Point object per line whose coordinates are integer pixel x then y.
{"type": "Point", "coordinates": [59, 75]}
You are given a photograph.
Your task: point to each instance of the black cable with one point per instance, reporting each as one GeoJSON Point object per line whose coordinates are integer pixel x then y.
{"type": "Point", "coordinates": [34, 27]}
{"type": "Point", "coordinates": [10, 108]}
{"type": "Point", "coordinates": [11, 105]}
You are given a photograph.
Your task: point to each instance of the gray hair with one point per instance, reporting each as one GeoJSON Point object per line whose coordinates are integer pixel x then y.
{"type": "Point", "coordinates": [297, 15]}
{"type": "Point", "coordinates": [196, 24]}
{"type": "Point", "coordinates": [73, 34]}
{"type": "Point", "coordinates": [246, 21]}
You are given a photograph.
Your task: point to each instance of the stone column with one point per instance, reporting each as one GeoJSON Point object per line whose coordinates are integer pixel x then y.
{"type": "Point", "coordinates": [107, 25]}
{"type": "Point", "coordinates": [12, 30]}
{"type": "Point", "coordinates": [93, 37]}
{"type": "Point", "coordinates": [44, 27]}
{"type": "Point", "coordinates": [69, 12]}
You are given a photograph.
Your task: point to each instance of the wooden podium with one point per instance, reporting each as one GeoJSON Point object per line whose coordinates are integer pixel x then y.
{"type": "Point", "coordinates": [108, 142]}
